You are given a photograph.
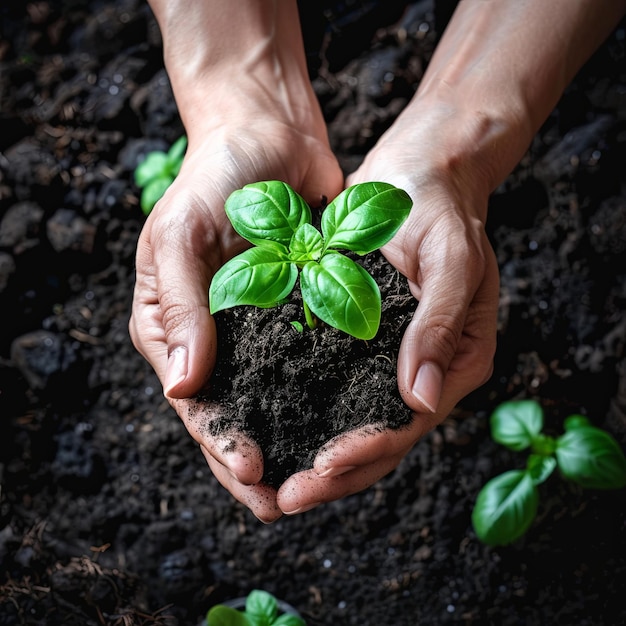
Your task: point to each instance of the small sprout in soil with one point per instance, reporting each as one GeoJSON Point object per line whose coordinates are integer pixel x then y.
{"type": "Point", "coordinates": [262, 609]}
{"type": "Point", "coordinates": [278, 222]}
{"type": "Point", "coordinates": [297, 325]}
{"type": "Point", "coordinates": [157, 172]}
{"type": "Point", "coordinates": [507, 505]}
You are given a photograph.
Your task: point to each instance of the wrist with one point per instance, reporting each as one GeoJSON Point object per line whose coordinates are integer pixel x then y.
{"type": "Point", "coordinates": [500, 69]}
{"type": "Point", "coordinates": [234, 60]}
{"type": "Point", "coordinates": [450, 147]}
{"type": "Point", "coordinates": [479, 140]}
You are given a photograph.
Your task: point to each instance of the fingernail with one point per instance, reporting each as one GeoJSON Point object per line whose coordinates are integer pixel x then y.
{"type": "Point", "coordinates": [336, 471]}
{"type": "Point", "coordinates": [176, 370]}
{"type": "Point", "coordinates": [427, 385]}
{"type": "Point", "coordinates": [303, 508]}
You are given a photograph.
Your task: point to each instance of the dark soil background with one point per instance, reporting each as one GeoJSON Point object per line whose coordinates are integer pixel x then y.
{"type": "Point", "coordinates": [108, 513]}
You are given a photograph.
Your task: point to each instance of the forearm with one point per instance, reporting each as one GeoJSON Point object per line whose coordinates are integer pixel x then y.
{"type": "Point", "coordinates": [220, 55]}
{"type": "Point", "coordinates": [500, 69]}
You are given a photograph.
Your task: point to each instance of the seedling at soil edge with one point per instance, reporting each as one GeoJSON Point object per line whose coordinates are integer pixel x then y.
{"type": "Point", "coordinates": [261, 610]}
{"type": "Point", "coordinates": [157, 172]}
{"type": "Point", "coordinates": [335, 289]}
{"type": "Point", "coordinates": [507, 505]}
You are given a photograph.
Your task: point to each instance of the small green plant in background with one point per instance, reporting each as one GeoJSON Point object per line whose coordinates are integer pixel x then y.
{"type": "Point", "coordinates": [157, 172]}
{"type": "Point", "coordinates": [507, 505]}
{"type": "Point", "coordinates": [335, 289]}
{"type": "Point", "coordinates": [261, 610]}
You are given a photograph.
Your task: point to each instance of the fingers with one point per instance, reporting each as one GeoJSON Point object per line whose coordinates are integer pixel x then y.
{"type": "Point", "coordinates": [230, 447]}
{"type": "Point", "coordinates": [171, 325]}
{"type": "Point", "coordinates": [447, 349]}
{"type": "Point", "coordinates": [306, 490]}
{"type": "Point", "coordinates": [234, 458]}
{"type": "Point", "coordinates": [367, 444]}
{"type": "Point", "coordinates": [259, 498]}
{"type": "Point", "coordinates": [350, 463]}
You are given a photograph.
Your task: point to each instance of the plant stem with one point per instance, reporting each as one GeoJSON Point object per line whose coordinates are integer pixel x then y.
{"type": "Point", "coordinates": [544, 445]}
{"type": "Point", "coordinates": [310, 320]}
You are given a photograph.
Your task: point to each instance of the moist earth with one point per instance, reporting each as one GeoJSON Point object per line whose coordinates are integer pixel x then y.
{"type": "Point", "coordinates": [108, 512]}
{"type": "Point", "coordinates": [293, 391]}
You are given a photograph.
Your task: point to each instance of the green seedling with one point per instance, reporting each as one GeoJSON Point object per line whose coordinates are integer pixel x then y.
{"type": "Point", "coordinates": [261, 610]}
{"type": "Point", "coordinates": [157, 172]}
{"type": "Point", "coordinates": [335, 289]}
{"type": "Point", "coordinates": [297, 325]}
{"type": "Point", "coordinates": [507, 505]}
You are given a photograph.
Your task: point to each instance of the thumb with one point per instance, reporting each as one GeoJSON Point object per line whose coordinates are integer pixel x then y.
{"type": "Point", "coordinates": [447, 350]}
{"type": "Point", "coordinates": [191, 342]}
{"type": "Point", "coordinates": [171, 324]}
{"type": "Point", "coordinates": [428, 346]}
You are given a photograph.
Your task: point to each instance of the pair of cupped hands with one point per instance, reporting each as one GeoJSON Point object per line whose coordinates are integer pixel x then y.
{"type": "Point", "coordinates": [441, 249]}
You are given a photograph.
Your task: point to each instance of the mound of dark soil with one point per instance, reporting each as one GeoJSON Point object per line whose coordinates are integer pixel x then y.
{"type": "Point", "coordinates": [293, 392]}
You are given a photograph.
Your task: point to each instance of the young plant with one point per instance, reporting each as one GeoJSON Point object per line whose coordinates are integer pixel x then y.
{"type": "Point", "coordinates": [277, 221]}
{"type": "Point", "coordinates": [261, 610]}
{"type": "Point", "coordinates": [507, 505]}
{"type": "Point", "coordinates": [157, 172]}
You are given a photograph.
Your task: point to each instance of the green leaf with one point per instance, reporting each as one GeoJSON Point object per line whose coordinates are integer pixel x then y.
{"type": "Point", "coordinates": [267, 210]}
{"type": "Point", "coordinates": [261, 607]}
{"type": "Point", "coordinates": [258, 276]}
{"type": "Point", "coordinates": [177, 151]}
{"type": "Point", "coordinates": [590, 457]}
{"type": "Point", "coordinates": [516, 423]}
{"type": "Point", "coordinates": [297, 325]}
{"type": "Point", "coordinates": [175, 168]}
{"type": "Point", "coordinates": [153, 192]}
{"type": "Point", "coordinates": [540, 467]}
{"type": "Point", "coordinates": [221, 615]}
{"type": "Point", "coordinates": [288, 620]}
{"type": "Point", "coordinates": [341, 293]}
{"type": "Point", "coordinates": [505, 508]}
{"type": "Point", "coordinates": [575, 421]}
{"type": "Point", "coordinates": [306, 244]}
{"type": "Point", "coordinates": [157, 172]}
{"type": "Point", "coordinates": [153, 166]}
{"type": "Point", "coordinates": [364, 217]}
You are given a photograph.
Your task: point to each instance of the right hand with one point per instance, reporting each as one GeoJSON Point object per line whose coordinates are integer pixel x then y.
{"type": "Point", "coordinates": [442, 250]}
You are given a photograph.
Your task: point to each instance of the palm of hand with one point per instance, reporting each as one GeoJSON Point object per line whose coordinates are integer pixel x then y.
{"type": "Point", "coordinates": [185, 240]}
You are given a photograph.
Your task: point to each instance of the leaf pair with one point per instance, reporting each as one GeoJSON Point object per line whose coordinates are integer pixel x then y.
{"type": "Point", "coordinates": [278, 222]}
{"type": "Point", "coordinates": [507, 505]}
{"type": "Point", "coordinates": [261, 610]}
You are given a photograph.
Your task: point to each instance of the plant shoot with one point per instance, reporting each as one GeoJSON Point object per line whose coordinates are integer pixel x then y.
{"type": "Point", "coordinates": [507, 505]}
{"type": "Point", "coordinates": [286, 245]}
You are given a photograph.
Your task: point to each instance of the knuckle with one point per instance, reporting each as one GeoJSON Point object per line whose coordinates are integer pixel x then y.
{"type": "Point", "coordinates": [176, 315]}
{"type": "Point", "coordinates": [442, 335]}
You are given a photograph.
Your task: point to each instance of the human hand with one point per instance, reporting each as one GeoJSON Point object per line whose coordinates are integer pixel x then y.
{"type": "Point", "coordinates": [476, 110]}
{"type": "Point", "coordinates": [186, 238]}
{"type": "Point", "coordinates": [250, 115]}
{"type": "Point", "coordinates": [448, 347]}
